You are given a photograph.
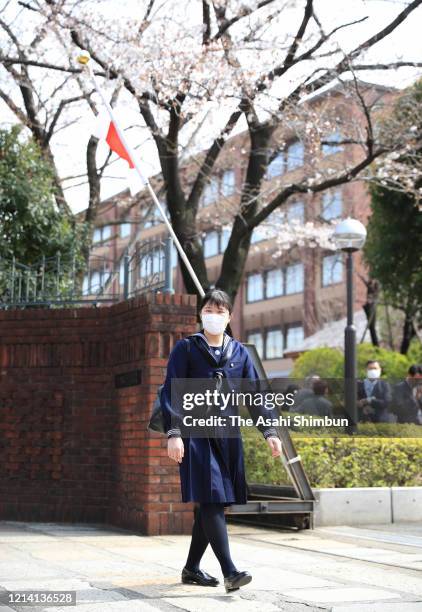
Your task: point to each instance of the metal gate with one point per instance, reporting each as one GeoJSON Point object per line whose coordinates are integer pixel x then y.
{"type": "Point", "coordinates": [278, 505]}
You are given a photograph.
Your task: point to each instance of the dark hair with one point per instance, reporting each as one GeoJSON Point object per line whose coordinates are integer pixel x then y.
{"type": "Point", "coordinates": [217, 297]}
{"type": "Point", "coordinates": [373, 361]}
{"type": "Point", "coordinates": [414, 369]}
{"type": "Point", "coordinates": [319, 387]}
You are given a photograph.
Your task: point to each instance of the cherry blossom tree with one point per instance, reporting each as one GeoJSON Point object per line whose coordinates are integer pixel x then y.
{"type": "Point", "coordinates": [200, 72]}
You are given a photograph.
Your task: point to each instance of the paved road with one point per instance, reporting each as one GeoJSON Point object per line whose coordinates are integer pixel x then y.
{"type": "Point", "coordinates": [376, 568]}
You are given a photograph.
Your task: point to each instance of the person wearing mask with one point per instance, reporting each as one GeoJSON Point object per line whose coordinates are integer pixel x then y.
{"type": "Point", "coordinates": [212, 471]}
{"type": "Point", "coordinates": [407, 397]}
{"type": "Point", "coordinates": [374, 395]}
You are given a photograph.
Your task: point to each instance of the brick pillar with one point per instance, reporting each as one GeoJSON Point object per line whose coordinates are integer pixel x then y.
{"type": "Point", "coordinates": [73, 439]}
{"type": "Point", "coordinates": [147, 494]}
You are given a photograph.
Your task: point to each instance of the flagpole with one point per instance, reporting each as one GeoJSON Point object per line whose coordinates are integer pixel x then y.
{"type": "Point", "coordinates": [83, 58]}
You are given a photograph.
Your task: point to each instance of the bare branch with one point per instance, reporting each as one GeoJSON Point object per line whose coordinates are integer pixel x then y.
{"type": "Point", "coordinates": [390, 66]}
{"type": "Point", "coordinates": [62, 105]}
{"type": "Point", "coordinates": [245, 11]}
{"type": "Point", "coordinates": [210, 158]}
{"type": "Point", "coordinates": [206, 22]}
{"type": "Point", "coordinates": [316, 188]}
{"type": "Point", "coordinates": [9, 61]}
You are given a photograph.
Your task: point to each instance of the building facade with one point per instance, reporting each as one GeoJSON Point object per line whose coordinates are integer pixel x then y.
{"type": "Point", "coordinates": [286, 293]}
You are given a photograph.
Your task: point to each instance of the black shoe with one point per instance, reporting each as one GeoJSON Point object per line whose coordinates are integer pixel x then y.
{"type": "Point", "coordinates": [198, 577]}
{"type": "Point", "coordinates": [236, 580]}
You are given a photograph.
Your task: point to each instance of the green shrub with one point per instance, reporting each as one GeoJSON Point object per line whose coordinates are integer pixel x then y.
{"type": "Point", "coordinates": [340, 462]}
{"type": "Point", "coordinates": [329, 362]}
{"type": "Point", "coordinates": [394, 365]}
{"type": "Point", "coordinates": [414, 354]}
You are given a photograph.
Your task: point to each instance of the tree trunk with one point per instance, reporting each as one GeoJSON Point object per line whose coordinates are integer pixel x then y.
{"type": "Point", "coordinates": [236, 254]}
{"type": "Point", "coordinates": [408, 333]}
{"type": "Point", "coordinates": [370, 308]}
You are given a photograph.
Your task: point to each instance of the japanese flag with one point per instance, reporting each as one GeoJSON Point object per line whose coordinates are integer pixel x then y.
{"type": "Point", "coordinates": [105, 129]}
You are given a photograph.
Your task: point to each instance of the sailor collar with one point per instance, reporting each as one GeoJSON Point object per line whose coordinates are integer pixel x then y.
{"type": "Point", "coordinates": [227, 341]}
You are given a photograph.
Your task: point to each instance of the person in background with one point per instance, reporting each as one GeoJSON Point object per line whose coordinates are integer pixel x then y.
{"type": "Point", "coordinates": [317, 404]}
{"type": "Point", "coordinates": [407, 397]}
{"type": "Point", "coordinates": [374, 396]}
{"type": "Point", "coordinates": [306, 392]}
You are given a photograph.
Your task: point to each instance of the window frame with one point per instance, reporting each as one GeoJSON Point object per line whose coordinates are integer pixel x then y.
{"type": "Point", "coordinates": [260, 274]}
{"type": "Point", "coordinates": [296, 325]}
{"type": "Point", "coordinates": [129, 225]}
{"type": "Point", "coordinates": [333, 194]}
{"type": "Point", "coordinates": [299, 164]}
{"type": "Point", "coordinates": [207, 234]}
{"type": "Point", "coordinates": [291, 265]}
{"type": "Point", "coordinates": [339, 260]}
{"type": "Point", "coordinates": [231, 185]}
{"type": "Point", "coordinates": [257, 332]}
{"type": "Point", "coordinates": [268, 330]}
{"type": "Point", "coordinates": [281, 154]}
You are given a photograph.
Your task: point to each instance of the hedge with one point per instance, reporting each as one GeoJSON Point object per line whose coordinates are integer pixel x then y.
{"type": "Point", "coordinates": [329, 362]}
{"type": "Point", "coordinates": [339, 461]}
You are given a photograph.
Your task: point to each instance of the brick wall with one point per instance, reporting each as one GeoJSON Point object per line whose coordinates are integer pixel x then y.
{"type": "Point", "coordinates": [73, 445]}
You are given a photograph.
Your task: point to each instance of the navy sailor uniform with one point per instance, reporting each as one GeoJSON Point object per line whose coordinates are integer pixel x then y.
{"type": "Point", "coordinates": [212, 469]}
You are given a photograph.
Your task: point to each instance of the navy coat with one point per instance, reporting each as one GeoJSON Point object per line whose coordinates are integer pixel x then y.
{"type": "Point", "coordinates": [212, 469]}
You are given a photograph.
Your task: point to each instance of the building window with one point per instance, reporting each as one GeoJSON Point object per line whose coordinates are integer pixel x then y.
{"type": "Point", "coordinates": [174, 254]}
{"type": "Point", "coordinates": [85, 285]}
{"type": "Point", "coordinates": [330, 149]}
{"type": "Point", "coordinates": [101, 233]}
{"type": "Point", "coordinates": [257, 339]}
{"type": "Point", "coordinates": [154, 218]}
{"type": "Point", "coordinates": [210, 193]}
{"type": "Point", "coordinates": [152, 262]}
{"type": "Point", "coordinates": [224, 239]}
{"type": "Point", "coordinates": [125, 230]}
{"type": "Point", "coordinates": [257, 235]}
{"type": "Point", "coordinates": [145, 265]}
{"type": "Point", "coordinates": [294, 278]}
{"type": "Point", "coordinates": [274, 344]}
{"type": "Point", "coordinates": [278, 281]}
{"type": "Point", "coordinates": [274, 283]}
{"type": "Point", "coordinates": [157, 260]}
{"type": "Point", "coordinates": [122, 272]}
{"type": "Point", "coordinates": [106, 232]}
{"type": "Point", "coordinates": [332, 205]}
{"type": "Point", "coordinates": [210, 243]}
{"type": "Point", "coordinates": [295, 155]}
{"type": "Point", "coordinates": [276, 167]}
{"type": "Point", "coordinates": [332, 269]}
{"type": "Point", "coordinates": [296, 212]}
{"type": "Point", "coordinates": [95, 281]}
{"type": "Point", "coordinates": [255, 288]}
{"type": "Point", "coordinates": [228, 183]}
{"type": "Point", "coordinates": [294, 336]}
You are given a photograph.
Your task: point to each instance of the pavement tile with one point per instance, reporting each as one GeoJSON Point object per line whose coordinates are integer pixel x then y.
{"type": "Point", "coordinates": [339, 594]}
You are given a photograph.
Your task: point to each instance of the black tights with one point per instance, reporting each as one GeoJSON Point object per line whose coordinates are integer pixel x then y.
{"type": "Point", "coordinates": [210, 527]}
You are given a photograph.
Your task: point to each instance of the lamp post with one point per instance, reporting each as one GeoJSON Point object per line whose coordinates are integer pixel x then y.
{"type": "Point", "coordinates": [349, 236]}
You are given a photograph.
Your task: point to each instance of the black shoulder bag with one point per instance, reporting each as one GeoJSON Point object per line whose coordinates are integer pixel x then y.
{"type": "Point", "coordinates": [156, 422]}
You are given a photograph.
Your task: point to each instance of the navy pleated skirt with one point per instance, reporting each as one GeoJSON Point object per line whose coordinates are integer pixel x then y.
{"type": "Point", "coordinates": [213, 470]}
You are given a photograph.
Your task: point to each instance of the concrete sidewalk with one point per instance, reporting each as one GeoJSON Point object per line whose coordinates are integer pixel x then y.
{"type": "Point", "coordinates": [342, 569]}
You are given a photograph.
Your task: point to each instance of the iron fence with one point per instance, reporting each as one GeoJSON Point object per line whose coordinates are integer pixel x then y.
{"type": "Point", "coordinates": [62, 280]}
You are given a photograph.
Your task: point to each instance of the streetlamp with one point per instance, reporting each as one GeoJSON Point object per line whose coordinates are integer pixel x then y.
{"type": "Point", "coordinates": [349, 236]}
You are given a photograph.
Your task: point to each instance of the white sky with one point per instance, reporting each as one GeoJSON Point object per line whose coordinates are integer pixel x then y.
{"type": "Point", "coordinates": [69, 145]}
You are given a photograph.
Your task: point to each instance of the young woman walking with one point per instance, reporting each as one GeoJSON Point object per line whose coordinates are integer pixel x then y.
{"type": "Point", "coordinates": [212, 471]}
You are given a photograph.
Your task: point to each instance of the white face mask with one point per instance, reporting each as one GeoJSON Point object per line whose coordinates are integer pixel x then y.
{"type": "Point", "coordinates": [214, 323]}
{"type": "Point", "coordinates": [372, 373]}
